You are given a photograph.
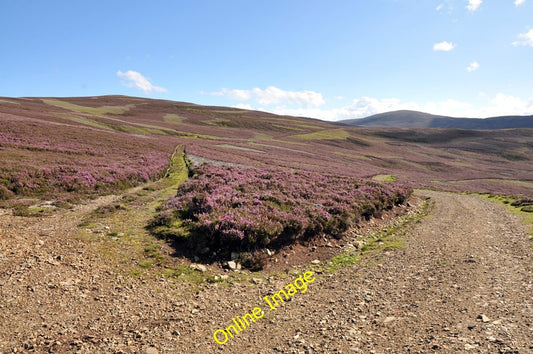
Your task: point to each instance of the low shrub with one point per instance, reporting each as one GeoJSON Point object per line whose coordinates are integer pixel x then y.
{"type": "Point", "coordinates": [5, 194]}
{"type": "Point", "coordinates": [240, 209]}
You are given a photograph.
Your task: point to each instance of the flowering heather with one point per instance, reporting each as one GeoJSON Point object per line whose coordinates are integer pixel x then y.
{"type": "Point", "coordinates": [230, 208]}
{"type": "Point", "coordinates": [40, 159]}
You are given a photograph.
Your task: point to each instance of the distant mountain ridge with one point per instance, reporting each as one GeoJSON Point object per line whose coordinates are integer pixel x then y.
{"type": "Point", "coordinates": [414, 119]}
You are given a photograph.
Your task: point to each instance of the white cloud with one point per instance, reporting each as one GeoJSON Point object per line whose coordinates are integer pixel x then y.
{"type": "Point", "coordinates": [274, 96]}
{"type": "Point", "coordinates": [526, 39]}
{"type": "Point", "coordinates": [443, 46]}
{"type": "Point", "coordinates": [519, 2]}
{"type": "Point", "coordinates": [473, 5]}
{"type": "Point", "coordinates": [136, 80]}
{"type": "Point", "coordinates": [503, 104]}
{"type": "Point", "coordinates": [243, 106]}
{"type": "Point", "coordinates": [439, 7]}
{"type": "Point", "coordinates": [311, 104]}
{"type": "Point", "coordinates": [473, 66]}
{"type": "Point", "coordinates": [499, 105]}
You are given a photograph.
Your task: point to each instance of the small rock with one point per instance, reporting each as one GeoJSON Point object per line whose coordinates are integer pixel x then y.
{"type": "Point", "coordinates": [269, 252]}
{"type": "Point", "coordinates": [470, 346]}
{"type": "Point", "coordinates": [483, 318]}
{"type": "Point", "coordinates": [151, 350]}
{"type": "Point", "coordinates": [198, 267]}
{"type": "Point", "coordinates": [316, 261]}
{"type": "Point", "coordinates": [232, 265]}
{"type": "Point", "coordinates": [257, 280]}
{"type": "Point", "coordinates": [389, 319]}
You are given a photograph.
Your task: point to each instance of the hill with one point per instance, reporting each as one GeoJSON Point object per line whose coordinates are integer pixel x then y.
{"type": "Point", "coordinates": [82, 146]}
{"type": "Point", "coordinates": [414, 119]}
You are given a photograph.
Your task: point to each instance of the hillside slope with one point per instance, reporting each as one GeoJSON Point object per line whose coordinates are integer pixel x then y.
{"type": "Point", "coordinates": [112, 142]}
{"type": "Point", "coordinates": [414, 119]}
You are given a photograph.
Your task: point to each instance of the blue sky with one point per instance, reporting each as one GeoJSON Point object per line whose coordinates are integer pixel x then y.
{"type": "Point", "coordinates": [328, 59]}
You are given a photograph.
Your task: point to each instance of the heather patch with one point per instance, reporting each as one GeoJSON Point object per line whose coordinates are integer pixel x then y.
{"type": "Point", "coordinates": [225, 209]}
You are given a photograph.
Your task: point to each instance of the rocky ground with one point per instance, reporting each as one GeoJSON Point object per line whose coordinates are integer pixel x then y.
{"type": "Point", "coordinates": [462, 282]}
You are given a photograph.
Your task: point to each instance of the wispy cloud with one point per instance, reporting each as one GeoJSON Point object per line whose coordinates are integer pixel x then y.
{"type": "Point", "coordinates": [526, 39]}
{"type": "Point", "coordinates": [473, 5]}
{"type": "Point", "coordinates": [498, 105]}
{"type": "Point", "coordinates": [274, 96]}
{"type": "Point", "coordinates": [443, 46]}
{"type": "Point", "coordinates": [134, 79]}
{"type": "Point", "coordinates": [473, 66]}
{"type": "Point", "coordinates": [519, 2]}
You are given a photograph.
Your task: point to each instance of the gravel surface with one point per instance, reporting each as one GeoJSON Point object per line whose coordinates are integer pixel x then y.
{"type": "Point", "coordinates": [462, 282]}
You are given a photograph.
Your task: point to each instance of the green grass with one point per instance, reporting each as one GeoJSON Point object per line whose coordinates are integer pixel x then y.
{"type": "Point", "coordinates": [174, 118]}
{"type": "Point", "coordinates": [136, 251]}
{"type": "Point", "coordinates": [385, 178]}
{"type": "Point", "coordinates": [342, 260]}
{"type": "Point", "coordinates": [328, 134]}
{"type": "Point", "coordinates": [92, 110]}
{"type": "Point", "coordinates": [507, 201]}
{"type": "Point", "coordinates": [146, 264]}
{"type": "Point", "coordinates": [30, 211]}
{"type": "Point", "coordinates": [85, 121]}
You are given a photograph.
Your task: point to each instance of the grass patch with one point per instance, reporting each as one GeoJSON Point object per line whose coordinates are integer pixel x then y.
{"type": "Point", "coordinates": [86, 121]}
{"type": "Point", "coordinates": [511, 203]}
{"type": "Point", "coordinates": [146, 264]}
{"type": "Point", "coordinates": [136, 252]}
{"type": "Point", "coordinates": [174, 118]}
{"type": "Point", "coordinates": [30, 211]}
{"type": "Point", "coordinates": [328, 134]}
{"type": "Point", "coordinates": [342, 260]}
{"type": "Point", "coordinates": [92, 110]}
{"type": "Point", "coordinates": [385, 178]}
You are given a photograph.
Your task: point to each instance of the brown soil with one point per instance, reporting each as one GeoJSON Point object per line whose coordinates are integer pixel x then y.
{"type": "Point", "coordinates": [462, 282]}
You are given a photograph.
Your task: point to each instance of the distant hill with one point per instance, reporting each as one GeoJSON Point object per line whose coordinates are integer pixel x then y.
{"type": "Point", "coordinates": [414, 119]}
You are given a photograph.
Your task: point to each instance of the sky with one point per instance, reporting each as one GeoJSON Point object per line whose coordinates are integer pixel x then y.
{"type": "Point", "coordinates": [326, 59]}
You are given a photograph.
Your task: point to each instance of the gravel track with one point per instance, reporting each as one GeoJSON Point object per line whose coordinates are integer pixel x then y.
{"type": "Point", "coordinates": [463, 282]}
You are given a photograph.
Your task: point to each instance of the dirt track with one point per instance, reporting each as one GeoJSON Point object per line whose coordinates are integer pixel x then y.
{"type": "Point", "coordinates": [463, 281]}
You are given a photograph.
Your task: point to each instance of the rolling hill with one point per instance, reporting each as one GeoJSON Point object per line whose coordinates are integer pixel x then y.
{"type": "Point", "coordinates": [414, 119]}
{"type": "Point", "coordinates": [96, 145]}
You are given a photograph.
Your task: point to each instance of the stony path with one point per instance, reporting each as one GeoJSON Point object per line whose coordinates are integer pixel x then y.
{"type": "Point", "coordinates": [463, 282]}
